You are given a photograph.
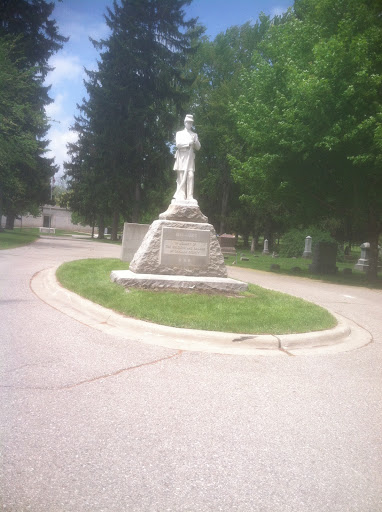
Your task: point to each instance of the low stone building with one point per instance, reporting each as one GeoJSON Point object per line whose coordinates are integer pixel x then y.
{"type": "Point", "coordinates": [51, 217]}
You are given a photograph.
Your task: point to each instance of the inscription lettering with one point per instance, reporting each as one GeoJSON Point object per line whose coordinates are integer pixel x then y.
{"type": "Point", "coordinates": [185, 247]}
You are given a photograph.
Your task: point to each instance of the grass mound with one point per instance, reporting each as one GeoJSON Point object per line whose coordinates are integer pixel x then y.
{"type": "Point", "coordinates": [16, 238]}
{"type": "Point", "coordinates": [257, 311]}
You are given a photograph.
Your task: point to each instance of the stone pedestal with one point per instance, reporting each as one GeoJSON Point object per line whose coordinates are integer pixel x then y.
{"type": "Point", "coordinates": [185, 211]}
{"type": "Point", "coordinates": [180, 250]}
{"type": "Point", "coordinates": [182, 283]}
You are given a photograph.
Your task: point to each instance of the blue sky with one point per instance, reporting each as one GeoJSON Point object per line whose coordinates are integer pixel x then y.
{"type": "Point", "coordinates": [80, 19]}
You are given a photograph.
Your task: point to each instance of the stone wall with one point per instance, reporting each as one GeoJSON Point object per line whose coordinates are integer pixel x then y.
{"type": "Point", "coordinates": [60, 218]}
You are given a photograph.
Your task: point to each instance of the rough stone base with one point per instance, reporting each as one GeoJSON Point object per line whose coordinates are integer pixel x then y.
{"type": "Point", "coordinates": [184, 211]}
{"type": "Point", "coordinates": [317, 268]}
{"type": "Point", "coordinates": [148, 258]}
{"type": "Point", "coordinates": [361, 266]}
{"type": "Point", "coordinates": [231, 251]}
{"type": "Point", "coordinates": [364, 266]}
{"type": "Point", "coordinates": [130, 279]}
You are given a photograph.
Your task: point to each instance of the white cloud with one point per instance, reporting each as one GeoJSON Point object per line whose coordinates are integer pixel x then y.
{"type": "Point", "coordinates": [66, 68]}
{"type": "Point", "coordinates": [79, 33]}
{"type": "Point", "coordinates": [99, 31]}
{"type": "Point", "coordinates": [58, 141]}
{"type": "Point", "coordinates": [277, 11]}
{"type": "Point", "coordinates": [55, 109]}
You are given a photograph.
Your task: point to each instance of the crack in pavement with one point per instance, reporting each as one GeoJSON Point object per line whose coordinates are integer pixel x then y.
{"type": "Point", "coordinates": [94, 379]}
{"type": "Point", "coordinates": [29, 365]}
{"type": "Point", "coordinates": [281, 348]}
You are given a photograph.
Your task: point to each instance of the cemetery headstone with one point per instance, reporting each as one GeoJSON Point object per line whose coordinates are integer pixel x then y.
{"type": "Point", "coordinates": [324, 258]}
{"type": "Point", "coordinates": [308, 247]}
{"type": "Point", "coordinates": [133, 235]}
{"type": "Point", "coordinates": [363, 262]}
{"type": "Point", "coordinates": [265, 250]}
{"type": "Point", "coordinates": [227, 244]}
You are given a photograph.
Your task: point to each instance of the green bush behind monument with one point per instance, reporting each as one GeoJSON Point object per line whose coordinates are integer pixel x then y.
{"type": "Point", "coordinates": [293, 242]}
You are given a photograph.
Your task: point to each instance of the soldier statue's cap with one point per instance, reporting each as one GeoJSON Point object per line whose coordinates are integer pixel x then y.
{"type": "Point", "coordinates": [189, 118]}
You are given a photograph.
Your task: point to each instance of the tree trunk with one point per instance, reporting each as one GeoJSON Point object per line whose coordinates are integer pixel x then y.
{"type": "Point", "coordinates": [255, 242]}
{"type": "Point", "coordinates": [101, 227]}
{"type": "Point", "coordinates": [224, 207]}
{"type": "Point", "coordinates": [1, 211]}
{"type": "Point", "coordinates": [372, 273]}
{"type": "Point", "coordinates": [114, 228]}
{"type": "Point", "coordinates": [10, 222]}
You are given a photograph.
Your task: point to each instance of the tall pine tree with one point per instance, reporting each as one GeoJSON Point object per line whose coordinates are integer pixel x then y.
{"type": "Point", "coordinates": [134, 97]}
{"type": "Point", "coordinates": [29, 37]}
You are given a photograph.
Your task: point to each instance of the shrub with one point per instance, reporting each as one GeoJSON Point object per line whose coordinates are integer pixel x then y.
{"type": "Point", "coordinates": [293, 242]}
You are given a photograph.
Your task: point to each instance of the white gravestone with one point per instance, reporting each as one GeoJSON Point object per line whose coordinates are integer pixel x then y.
{"type": "Point", "coordinates": [133, 234]}
{"type": "Point", "coordinates": [308, 247]}
{"type": "Point", "coordinates": [363, 262]}
{"type": "Point", "coordinates": [265, 250]}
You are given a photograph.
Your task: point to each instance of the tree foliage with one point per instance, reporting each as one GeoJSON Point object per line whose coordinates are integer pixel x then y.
{"type": "Point", "coordinates": [310, 114]}
{"type": "Point", "coordinates": [28, 38]}
{"type": "Point", "coordinates": [219, 64]}
{"type": "Point", "coordinates": [134, 97]}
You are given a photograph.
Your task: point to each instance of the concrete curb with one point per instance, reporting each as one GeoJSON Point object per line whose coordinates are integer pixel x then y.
{"type": "Point", "coordinates": [344, 337]}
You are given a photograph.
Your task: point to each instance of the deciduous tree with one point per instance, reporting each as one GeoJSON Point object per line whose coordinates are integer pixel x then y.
{"type": "Point", "coordinates": [310, 113]}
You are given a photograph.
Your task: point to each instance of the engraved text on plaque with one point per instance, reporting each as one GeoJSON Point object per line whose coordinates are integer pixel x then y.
{"type": "Point", "coordinates": [185, 247]}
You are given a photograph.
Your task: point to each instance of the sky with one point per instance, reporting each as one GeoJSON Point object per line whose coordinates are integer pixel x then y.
{"type": "Point", "coordinates": [79, 19]}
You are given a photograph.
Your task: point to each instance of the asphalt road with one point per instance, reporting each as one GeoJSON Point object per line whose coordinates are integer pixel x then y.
{"type": "Point", "coordinates": [91, 422]}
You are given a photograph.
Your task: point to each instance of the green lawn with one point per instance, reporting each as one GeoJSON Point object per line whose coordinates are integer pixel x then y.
{"type": "Point", "coordinates": [17, 238]}
{"type": "Point", "coordinates": [259, 262]}
{"type": "Point", "coordinates": [257, 311]}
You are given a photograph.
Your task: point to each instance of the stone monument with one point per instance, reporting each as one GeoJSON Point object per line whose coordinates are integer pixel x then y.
{"type": "Point", "coordinates": [133, 234]}
{"type": "Point", "coordinates": [324, 258]}
{"type": "Point", "coordinates": [266, 250]}
{"type": "Point", "coordinates": [363, 262]}
{"type": "Point", "coordinates": [227, 245]}
{"type": "Point", "coordinates": [308, 247]}
{"type": "Point", "coordinates": [180, 249]}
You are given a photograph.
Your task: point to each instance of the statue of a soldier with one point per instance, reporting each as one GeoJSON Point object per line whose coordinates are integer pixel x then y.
{"type": "Point", "coordinates": [186, 144]}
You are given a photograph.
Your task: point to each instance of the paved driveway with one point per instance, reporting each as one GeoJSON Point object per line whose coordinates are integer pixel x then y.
{"type": "Point", "coordinates": [91, 422]}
